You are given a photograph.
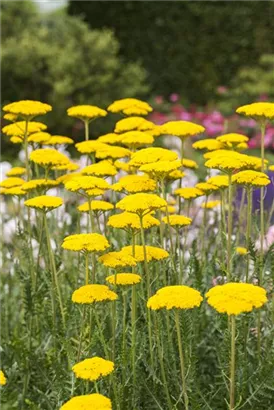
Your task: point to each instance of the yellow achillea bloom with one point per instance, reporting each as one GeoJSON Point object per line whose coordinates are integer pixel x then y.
{"type": "Point", "coordinates": [170, 209]}
{"type": "Point", "coordinates": [16, 140]}
{"type": "Point", "coordinates": [251, 178]}
{"type": "Point", "coordinates": [89, 147]}
{"type": "Point", "coordinates": [153, 154]}
{"type": "Point", "coordinates": [86, 242]}
{"type": "Point", "coordinates": [141, 203]}
{"type": "Point", "coordinates": [27, 108]}
{"type": "Point", "coordinates": [18, 129]}
{"type": "Point", "coordinates": [232, 140]}
{"type": "Point", "coordinates": [3, 379]}
{"type": "Point", "coordinates": [177, 220]}
{"type": "Point", "coordinates": [48, 157]}
{"type": "Point", "coordinates": [189, 163]}
{"type": "Point", "coordinates": [257, 110]}
{"type": "Point", "coordinates": [241, 250]}
{"type": "Point", "coordinates": [44, 202]}
{"type": "Point", "coordinates": [135, 139]}
{"type": "Point", "coordinates": [96, 206]}
{"type": "Point", "coordinates": [86, 183]}
{"type": "Point", "coordinates": [93, 401]}
{"type": "Point", "coordinates": [133, 123]}
{"type": "Point", "coordinates": [222, 153]}
{"type": "Point", "coordinates": [135, 184]}
{"type": "Point", "coordinates": [123, 166]}
{"type": "Point", "coordinates": [271, 168]}
{"type": "Point", "coordinates": [256, 162]}
{"type": "Point", "coordinates": [15, 191]}
{"type": "Point", "coordinates": [39, 137]}
{"type": "Point", "coordinates": [102, 168]}
{"type": "Point", "coordinates": [188, 192]}
{"type": "Point", "coordinates": [117, 260]}
{"type": "Point", "coordinates": [230, 162]}
{"type": "Point", "coordinates": [68, 177]}
{"type": "Point", "coordinates": [44, 184]}
{"type": "Point", "coordinates": [206, 187]}
{"type": "Point", "coordinates": [71, 166]}
{"type": "Point", "coordinates": [236, 298]}
{"type": "Point", "coordinates": [92, 369]}
{"type": "Point", "coordinates": [207, 144]}
{"type": "Point", "coordinates": [130, 106]}
{"type": "Point", "coordinates": [160, 169]}
{"type": "Point", "coordinates": [111, 151]}
{"type": "Point", "coordinates": [16, 171]}
{"type": "Point", "coordinates": [110, 138]}
{"type": "Point", "coordinates": [220, 181]}
{"type": "Point", "coordinates": [211, 204]}
{"type": "Point", "coordinates": [124, 279]}
{"type": "Point", "coordinates": [175, 297]}
{"type": "Point", "coordinates": [10, 117]}
{"type": "Point", "coordinates": [59, 140]}
{"type": "Point", "coordinates": [177, 174]}
{"type": "Point", "coordinates": [182, 129]}
{"type": "Point", "coordinates": [12, 182]}
{"type": "Point", "coordinates": [86, 112]}
{"type": "Point", "coordinates": [128, 221]}
{"type": "Point", "coordinates": [152, 252]}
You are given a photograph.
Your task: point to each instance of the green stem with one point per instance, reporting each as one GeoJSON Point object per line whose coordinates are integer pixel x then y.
{"type": "Point", "coordinates": [262, 190]}
{"type": "Point", "coordinates": [133, 335]}
{"type": "Point", "coordinates": [87, 272]}
{"type": "Point", "coordinates": [229, 228]}
{"type": "Point", "coordinates": [232, 365]}
{"type": "Point", "coordinates": [86, 130]}
{"type": "Point", "coordinates": [182, 360]}
{"type": "Point", "coordinates": [248, 229]}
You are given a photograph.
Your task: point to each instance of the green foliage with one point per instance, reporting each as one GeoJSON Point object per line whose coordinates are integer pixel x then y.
{"type": "Point", "coordinates": [187, 47]}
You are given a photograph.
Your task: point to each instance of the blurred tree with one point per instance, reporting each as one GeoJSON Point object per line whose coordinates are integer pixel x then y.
{"type": "Point", "coordinates": [187, 47]}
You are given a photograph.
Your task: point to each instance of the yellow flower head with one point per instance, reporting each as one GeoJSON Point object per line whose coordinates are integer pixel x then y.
{"type": "Point", "coordinates": [15, 191]}
{"type": "Point", "coordinates": [182, 129]}
{"type": "Point", "coordinates": [44, 202]}
{"type": "Point", "coordinates": [220, 181]}
{"type": "Point", "coordinates": [86, 242]}
{"type": "Point", "coordinates": [12, 182]}
{"type": "Point", "coordinates": [3, 379]}
{"type": "Point", "coordinates": [86, 112]}
{"type": "Point", "coordinates": [93, 401]}
{"type": "Point", "coordinates": [177, 220]}
{"type": "Point", "coordinates": [89, 147]}
{"type": "Point", "coordinates": [230, 160]}
{"type": "Point", "coordinates": [27, 108]}
{"type": "Point", "coordinates": [134, 139]}
{"type": "Point", "coordinates": [92, 369]}
{"type": "Point", "coordinates": [18, 129]}
{"type": "Point", "coordinates": [124, 279]}
{"type": "Point", "coordinates": [117, 260]}
{"type": "Point", "coordinates": [36, 184]}
{"type": "Point", "coordinates": [39, 137]}
{"type": "Point", "coordinates": [71, 166]}
{"type": "Point", "coordinates": [48, 157]}
{"type": "Point", "coordinates": [59, 140]}
{"type": "Point", "coordinates": [150, 155]}
{"type": "Point", "coordinates": [170, 209]}
{"type": "Point", "coordinates": [102, 168]}
{"type": "Point", "coordinates": [130, 106]}
{"type": "Point", "coordinates": [152, 253]}
{"type": "Point", "coordinates": [258, 110]}
{"type": "Point", "coordinates": [206, 187]}
{"type": "Point", "coordinates": [128, 221]}
{"type": "Point", "coordinates": [123, 166]}
{"type": "Point", "coordinates": [271, 167]}
{"type": "Point", "coordinates": [141, 203]}
{"type": "Point", "coordinates": [133, 123]}
{"type": "Point", "coordinates": [236, 298]}
{"type": "Point", "coordinates": [175, 297]}
{"type": "Point", "coordinates": [251, 178]}
{"type": "Point", "coordinates": [10, 117]}
{"type": "Point", "coordinates": [16, 140]}
{"type": "Point", "coordinates": [177, 174]}
{"type": "Point", "coordinates": [232, 140]}
{"type": "Point", "coordinates": [110, 138]}
{"type": "Point", "coordinates": [241, 250]}
{"type": "Point", "coordinates": [207, 144]}
{"type": "Point", "coordinates": [96, 206]}
{"type": "Point", "coordinates": [85, 183]}
{"type": "Point", "coordinates": [111, 151]}
{"type": "Point", "coordinates": [16, 171]}
{"type": "Point", "coordinates": [135, 184]}
{"type": "Point", "coordinates": [189, 163]}
{"type": "Point", "coordinates": [160, 169]}
{"type": "Point", "coordinates": [188, 192]}
{"type": "Point", "coordinates": [211, 204]}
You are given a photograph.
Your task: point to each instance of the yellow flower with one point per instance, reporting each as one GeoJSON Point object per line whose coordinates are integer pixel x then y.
{"type": "Point", "coordinates": [93, 401]}
{"type": "Point", "coordinates": [251, 178]}
{"type": "Point", "coordinates": [133, 123]}
{"type": "Point", "coordinates": [111, 151]}
{"type": "Point", "coordinates": [92, 369]}
{"type": "Point", "coordinates": [220, 181]}
{"type": "Point", "coordinates": [15, 191]}
{"type": "Point", "coordinates": [189, 163]}
{"type": "Point", "coordinates": [188, 192]}
{"type": "Point", "coordinates": [182, 129]}
{"type": "Point", "coordinates": [12, 182]}
{"type": "Point", "coordinates": [257, 110]}
{"type": "Point", "coordinates": [85, 183]}
{"type": "Point", "coordinates": [232, 138]}
{"type": "Point", "coordinates": [207, 144]}
{"type": "Point", "coordinates": [94, 192]}
{"type": "Point", "coordinates": [211, 204]}
{"type": "Point", "coordinates": [96, 206]}
{"type": "Point", "coordinates": [16, 171]}
{"type": "Point", "coordinates": [16, 140]}
{"type": "Point", "coordinates": [160, 169]}
{"type": "Point", "coordinates": [3, 379]}
{"type": "Point", "coordinates": [102, 168]}
{"type": "Point", "coordinates": [135, 184]}
{"type": "Point", "coordinates": [170, 209]}
{"type": "Point", "coordinates": [86, 112]}
{"type": "Point", "coordinates": [124, 166]}
{"type": "Point", "coordinates": [177, 220]}
{"type": "Point", "coordinates": [89, 147]}
{"type": "Point", "coordinates": [18, 129]}
{"type": "Point", "coordinates": [48, 157]}
{"type": "Point", "coordinates": [230, 162]}
{"type": "Point", "coordinates": [44, 184]}
{"type": "Point", "coordinates": [10, 117]}
{"type": "Point", "coordinates": [236, 298]}
{"type": "Point", "coordinates": [86, 242]}
{"type": "Point", "coordinates": [128, 220]}
{"type": "Point", "coordinates": [153, 253]}
{"type": "Point", "coordinates": [136, 139]}
{"type": "Point", "coordinates": [44, 202]}
{"type": "Point", "coordinates": [130, 106]}
{"type": "Point", "coordinates": [124, 279]}
{"type": "Point", "coordinates": [175, 297]}
{"type": "Point", "coordinates": [241, 250]}
{"type": "Point", "coordinates": [27, 108]}
{"type": "Point", "coordinates": [149, 155]}
{"type": "Point", "coordinates": [141, 203]}
{"type": "Point", "coordinates": [117, 260]}
{"type": "Point", "coordinates": [71, 166]}
{"type": "Point", "coordinates": [59, 140]}
{"type": "Point", "coordinates": [271, 167]}
{"type": "Point", "coordinates": [206, 187]}
{"type": "Point", "coordinates": [110, 139]}
{"type": "Point", "coordinates": [39, 137]}
{"type": "Point", "coordinates": [177, 174]}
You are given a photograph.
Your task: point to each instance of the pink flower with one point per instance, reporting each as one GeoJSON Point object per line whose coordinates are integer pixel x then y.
{"type": "Point", "coordinates": [159, 99]}
{"type": "Point", "coordinates": [222, 89]}
{"type": "Point", "coordinates": [174, 97]}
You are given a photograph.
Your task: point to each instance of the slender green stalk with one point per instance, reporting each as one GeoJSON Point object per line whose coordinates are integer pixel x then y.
{"type": "Point", "coordinates": [182, 360]}
{"type": "Point", "coordinates": [133, 320]}
{"type": "Point", "coordinates": [87, 270]}
{"type": "Point", "coordinates": [248, 229]}
{"type": "Point", "coordinates": [81, 333]}
{"type": "Point", "coordinates": [91, 215]}
{"type": "Point", "coordinates": [232, 364]}
{"type": "Point", "coordinates": [124, 349]}
{"type": "Point", "coordinates": [169, 227]}
{"type": "Point", "coordinates": [229, 228]}
{"type": "Point", "coordinates": [204, 232]}
{"type": "Point", "coordinates": [262, 190]}
{"type": "Point", "coordinates": [26, 150]}
{"type": "Point", "coordinates": [86, 130]}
